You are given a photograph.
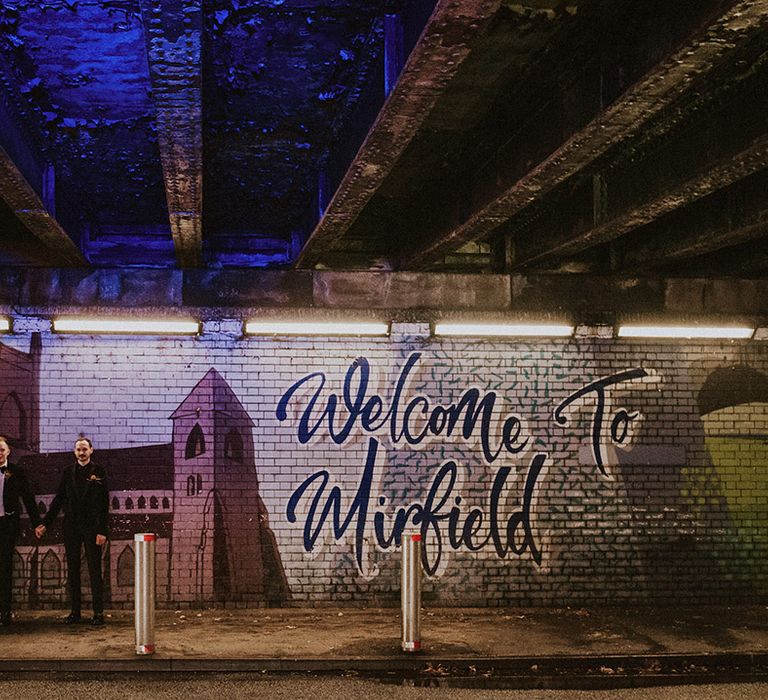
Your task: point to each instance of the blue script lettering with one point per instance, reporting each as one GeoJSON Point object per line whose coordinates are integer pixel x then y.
{"type": "Point", "coordinates": [619, 427]}
{"type": "Point", "coordinates": [417, 422]}
{"type": "Point", "coordinates": [442, 520]}
{"type": "Point", "coordinates": [436, 518]}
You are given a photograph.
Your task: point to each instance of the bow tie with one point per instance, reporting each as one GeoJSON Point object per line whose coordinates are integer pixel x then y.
{"type": "Point", "coordinates": [3, 470]}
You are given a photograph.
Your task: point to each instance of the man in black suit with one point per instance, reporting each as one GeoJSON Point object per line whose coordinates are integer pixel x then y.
{"type": "Point", "coordinates": [13, 489]}
{"type": "Point", "coordinates": [84, 495]}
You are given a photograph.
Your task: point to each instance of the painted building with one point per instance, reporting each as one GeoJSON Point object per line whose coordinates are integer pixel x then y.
{"type": "Point", "coordinates": [199, 494]}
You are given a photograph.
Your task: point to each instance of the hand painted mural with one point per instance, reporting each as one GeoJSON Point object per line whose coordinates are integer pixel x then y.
{"type": "Point", "coordinates": [199, 493]}
{"type": "Point", "coordinates": [415, 421]}
{"type": "Point", "coordinates": [734, 407]}
{"type": "Point", "coordinates": [284, 471]}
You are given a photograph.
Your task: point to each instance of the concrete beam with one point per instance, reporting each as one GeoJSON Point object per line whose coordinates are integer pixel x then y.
{"type": "Point", "coordinates": [418, 297]}
{"type": "Point", "coordinates": [621, 121]}
{"type": "Point", "coordinates": [173, 30]}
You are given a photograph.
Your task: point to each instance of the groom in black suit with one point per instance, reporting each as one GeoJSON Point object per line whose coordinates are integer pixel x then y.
{"type": "Point", "coordinates": [84, 495]}
{"type": "Point", "coordinates": [13, 489]}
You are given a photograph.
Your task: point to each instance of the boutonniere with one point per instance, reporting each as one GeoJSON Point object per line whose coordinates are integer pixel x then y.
{"type": "Point", "coordinates": [7, 474]}
{"type": "Point", "coordinates": [93, 477]}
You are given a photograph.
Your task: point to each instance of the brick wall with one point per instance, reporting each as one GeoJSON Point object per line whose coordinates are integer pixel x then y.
{"type": "Point", "coordinates": [649, 487]}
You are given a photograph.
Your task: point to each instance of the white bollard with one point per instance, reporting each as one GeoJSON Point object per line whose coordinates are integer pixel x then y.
{"type": "Point", "coordinates": [144, 544]}
{"type": "Point", "coordinates": [410, 593]}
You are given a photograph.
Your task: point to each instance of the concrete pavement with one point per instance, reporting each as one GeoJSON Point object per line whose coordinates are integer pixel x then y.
{"type": "Point", "coordinates": [541, 647]}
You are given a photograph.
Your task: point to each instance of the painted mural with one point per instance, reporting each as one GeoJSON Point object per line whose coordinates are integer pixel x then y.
{"type": "Point", "coordinates": [734, 407]}
{"type": "Point", "coordinates": [199, 494]}
{"type": "Point", "coordinates": [286, 471]}
{"type": "Point", "coordinates": [414, 420]}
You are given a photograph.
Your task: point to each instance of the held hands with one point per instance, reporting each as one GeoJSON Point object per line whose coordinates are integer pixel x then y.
{"type": "Point", "coordinates": [40, 531]}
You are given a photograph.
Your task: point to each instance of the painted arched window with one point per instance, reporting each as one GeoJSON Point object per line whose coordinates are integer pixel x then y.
{"type": "Point", "coordinates": [129, 503]}
{"type": "Point", "coordinates": [125, 567]}
{"type": "Point", "coordinates": [50, 570]}
{"type": "Point", "coordinates": [153, 502]}
{"type": "Point", "coordinates": [115, 503]}
{"type": "Point", "coordinates": [166, 503]}
{"type": "Point", "coordinates": [195, 442]}
{"type": "Point", "coordinates": [13, 417]}
{"type": "Point", "coordinates": [141, 504]}
{"type": "Point", "coordinates": [233, 446]}
{"type": "Point", "coordinates": [194, 485]}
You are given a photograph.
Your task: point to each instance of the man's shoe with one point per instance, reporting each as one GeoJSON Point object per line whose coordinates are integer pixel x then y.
{"type": "Point", "coordinates": [5, 619]}
{"type": "Point", "coordinates": [72, 619]}
{"type": "Point", "coordinates": [97, 620]}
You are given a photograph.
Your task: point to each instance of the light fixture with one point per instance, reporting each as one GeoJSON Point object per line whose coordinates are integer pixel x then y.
{"type": "Point", "coordinates": [126, 326]}
{"type": "Point", "coordinates": [504, 330]}
{"type": "Point", "coordinates": [721, 332]}
{"type": "Point", "coordinates": [315, 328]}
{"type": "Point", "coordinates": [5, 325]}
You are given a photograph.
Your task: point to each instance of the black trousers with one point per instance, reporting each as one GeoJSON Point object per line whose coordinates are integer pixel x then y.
{"type": "Point", "coordinates": [9, 531]}
{"type": "Point", "coordinates": [73, 543]}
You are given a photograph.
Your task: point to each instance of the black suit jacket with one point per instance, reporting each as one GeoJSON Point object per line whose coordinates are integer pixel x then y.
{"type": "Point", "coordinates": [88, 514]}
{"type": "Point", "coordinates": [16, 490]}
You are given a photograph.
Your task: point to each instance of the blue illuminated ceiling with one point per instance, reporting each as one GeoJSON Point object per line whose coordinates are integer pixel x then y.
{"type": "Point", "coordinates": [565, 136]}
{"type": "Point", "coordinates": [277, 81]}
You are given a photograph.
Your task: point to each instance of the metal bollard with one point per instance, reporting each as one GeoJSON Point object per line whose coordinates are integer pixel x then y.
{"type": "Point", "coordinates": [410, 593]}
{"type": "Point", "coordinates": [144, 544]}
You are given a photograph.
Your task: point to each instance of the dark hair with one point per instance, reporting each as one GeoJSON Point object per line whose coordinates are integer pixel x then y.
{"type": "Point", "coordinates": [82, 438]}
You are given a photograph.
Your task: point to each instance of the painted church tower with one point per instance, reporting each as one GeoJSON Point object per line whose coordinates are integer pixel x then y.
{"type": "Point", "coordinates": [222, 548]}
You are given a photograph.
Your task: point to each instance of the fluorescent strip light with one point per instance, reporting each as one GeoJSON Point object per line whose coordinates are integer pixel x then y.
{"type": "Point", "coordinates": [315, 328]}
{"type": "Point", "coordinates": [5, 325]}
{"type": "Point", "coordinates": [724, 332]}
{"type": "Point", "coordinates": [504, 329]}
{"type": "Point", "coordinates": [127, 326]}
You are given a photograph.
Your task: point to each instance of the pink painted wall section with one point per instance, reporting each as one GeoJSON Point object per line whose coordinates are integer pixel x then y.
{"type": "Point", "coordinates": [283, 472]}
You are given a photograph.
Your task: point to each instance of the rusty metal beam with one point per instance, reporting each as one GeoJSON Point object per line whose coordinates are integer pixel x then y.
{"type": "Point", "coordinates": [721, 174]}
{"type": "Point", "coordinates": [745, 260]}
{"type": "Point", "coordinates": [712, 241]}
{"type": "Point", "coordinates": [30, 210]}
{"type": "Point", "coordinates": [730, 218]}
{"type": "Point", "coordinates": [174, 33]}
{"type": "Point", "coordinates": [444, 45]}
{"type": "Point", "coordinates": [621, 121]}
{"type": "Point", "coordinates": [672, 189]}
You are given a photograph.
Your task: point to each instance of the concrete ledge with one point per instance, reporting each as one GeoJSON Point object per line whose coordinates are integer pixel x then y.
{"type": "Point", "coordinates": [589, 299]}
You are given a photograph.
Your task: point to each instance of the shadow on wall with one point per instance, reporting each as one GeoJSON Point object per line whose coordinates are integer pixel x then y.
{"type": "Point", "coordinates": [704, 527]}
{"type": "Point", "coordinates": [699, 529]}
{"type": "Point", "coordinates": [734, 410]}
